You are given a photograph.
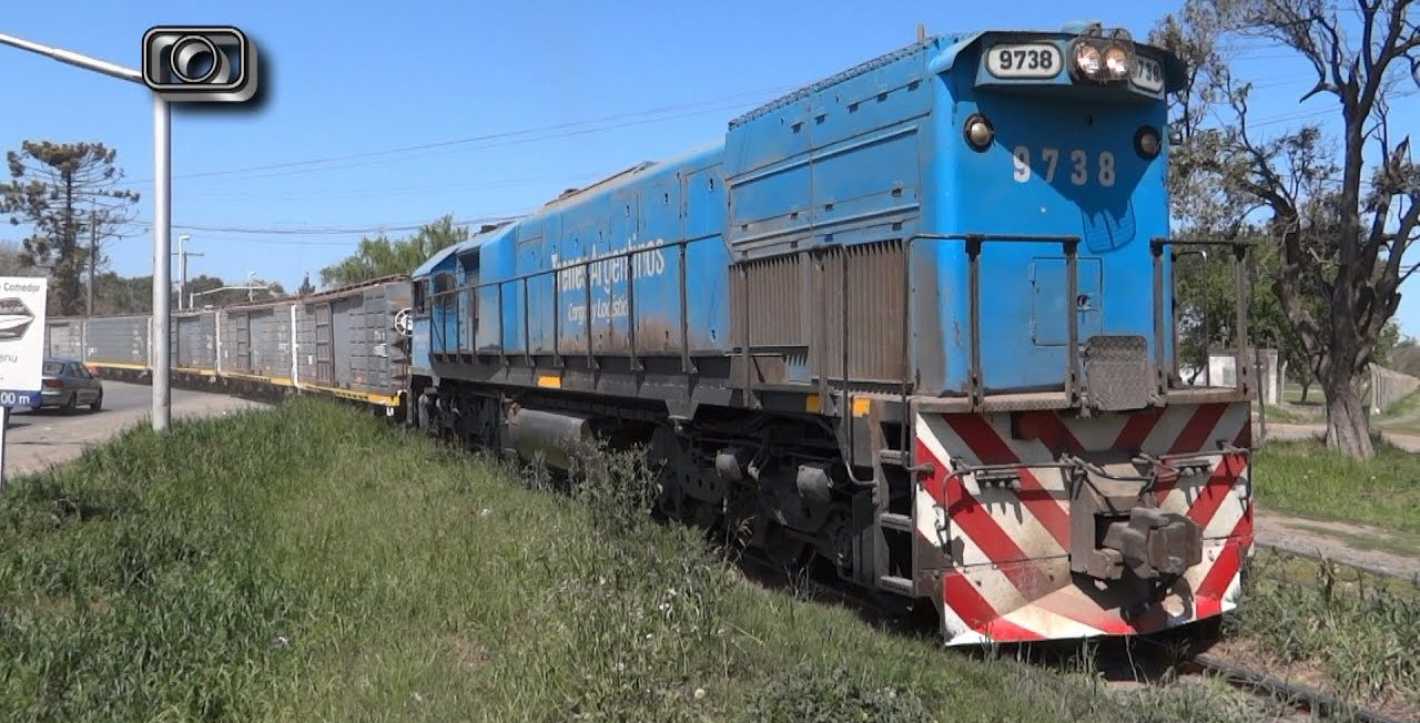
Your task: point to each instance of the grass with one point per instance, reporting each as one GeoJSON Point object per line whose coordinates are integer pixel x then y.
{"type": "Point", "coordinates": [1402, 417]}
{"type": "Point", "coordinates": [1292, 394]}
{"type": "Point", "coordinates": [1304, 478]}
{"type": "Point", "coordinates": [1289, 415]}
{"type": "Point", "coordinates": [1353, 631]}
{"type": "Point", "coordinates": [312, 563]}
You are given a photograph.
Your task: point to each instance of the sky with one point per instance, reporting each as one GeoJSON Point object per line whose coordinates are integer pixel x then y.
{"type": "Point", "coordinates": [512, 102]}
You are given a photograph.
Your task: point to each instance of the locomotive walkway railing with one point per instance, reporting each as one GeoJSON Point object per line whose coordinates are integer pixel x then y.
{"type": "Point", "coordinates": [448, 302]}
{"type": "Point", "coordinates": [624, 260]}
{"type": "Point", "coordinates": [1241, 303]}
{"type": "Point", "coordinates": [976, 385]}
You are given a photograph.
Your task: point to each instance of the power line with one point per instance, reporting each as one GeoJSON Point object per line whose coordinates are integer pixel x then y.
{"type": "Point", "coordinates": [330, 230]}
{"type": "Point", "coordinates": [511, 137]}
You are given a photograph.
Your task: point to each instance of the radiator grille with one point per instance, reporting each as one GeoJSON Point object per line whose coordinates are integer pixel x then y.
{"type": "Point", "coordinates": [798, 302]}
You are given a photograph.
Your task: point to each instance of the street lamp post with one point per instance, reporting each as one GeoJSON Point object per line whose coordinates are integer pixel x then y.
{"type": "Point", "coordinates": [162, 213]}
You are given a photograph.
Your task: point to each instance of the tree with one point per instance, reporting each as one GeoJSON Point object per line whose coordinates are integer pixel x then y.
{"type": "Point", "coordinates": [382, 256]}
{"type": "Point", "coordinates": [213, 291]}
{"type": "Point", "coordinates": [64, 192]}
{"type": "Point", "coordinates": [1205, 295]}
{"type": "Point", "coordinates": [307, 288]}
{"type": "Point", "coordinates": [1342, 235]}
{"type": "Point", "coordinates": [12, 262]}
{"type": "Point", "coordinates": [116, 294]}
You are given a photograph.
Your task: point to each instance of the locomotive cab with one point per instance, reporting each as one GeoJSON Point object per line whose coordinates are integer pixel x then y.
{"type": "Point", "coordinates": [1050, 146]}
{"type": "Point", "coordinates": [1082, 492]}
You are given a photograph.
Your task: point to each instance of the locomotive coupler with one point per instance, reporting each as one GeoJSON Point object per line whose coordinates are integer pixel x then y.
{"type": "Point", "coordinates": [1114, 528]}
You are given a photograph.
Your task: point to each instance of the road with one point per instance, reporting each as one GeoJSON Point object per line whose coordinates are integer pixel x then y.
{"type": "Point", "coordinates": [37, 440]}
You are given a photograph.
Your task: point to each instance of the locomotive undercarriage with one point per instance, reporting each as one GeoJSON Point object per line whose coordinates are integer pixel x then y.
{"type": "Point", "coordinates": [1100, 542]}
{"type": "Point", "coordinates": [773, 482]}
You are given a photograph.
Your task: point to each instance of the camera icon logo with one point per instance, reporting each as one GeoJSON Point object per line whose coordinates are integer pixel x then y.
{"type": "Point", "coordinates": [199, 64]}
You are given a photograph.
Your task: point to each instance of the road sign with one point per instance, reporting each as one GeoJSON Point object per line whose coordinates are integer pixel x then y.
{"type": "Point", "coordinates": [21, 338]}
{"type": "Point", "coordinates": [21, 348]}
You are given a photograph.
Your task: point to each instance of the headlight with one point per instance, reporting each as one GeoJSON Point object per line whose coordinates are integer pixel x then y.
{"type": "Point", "coordinates": [1088, 61]}
{"type": "Point", "coordinates": [1117, 62]}
{"type": "Point", "coordinates": [978, 132]}
{"type": "Point", "coordinates": [1146, 143]}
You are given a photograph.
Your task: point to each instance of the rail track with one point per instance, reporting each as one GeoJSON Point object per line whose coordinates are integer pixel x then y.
{"type": "Point", "coordinates": [1166, 658]}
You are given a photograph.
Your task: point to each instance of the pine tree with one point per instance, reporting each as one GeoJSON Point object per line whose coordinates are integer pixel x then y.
{"type": "Point", "coordinates": [67, 194]}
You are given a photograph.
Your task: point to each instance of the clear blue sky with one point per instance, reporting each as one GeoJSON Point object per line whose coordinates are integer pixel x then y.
{"type": "Point", "coordinates": [592, 89]}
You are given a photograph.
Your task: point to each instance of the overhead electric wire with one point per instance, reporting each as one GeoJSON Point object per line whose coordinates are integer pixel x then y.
{"type": "Point", "coordinates": [511, 137]}
{"type": "Point", "coordinates": [331, 230]}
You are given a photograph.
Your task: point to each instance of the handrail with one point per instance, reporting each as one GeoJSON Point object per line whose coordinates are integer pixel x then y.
{"type": "Point", "coordinates": [625, 258]}
{"type": "Point", "coordinates": [1240, 282]}
{"type": "Point", "coordinates": [976, 388]}
{"type": "Point", "coordinates": [974, 244]}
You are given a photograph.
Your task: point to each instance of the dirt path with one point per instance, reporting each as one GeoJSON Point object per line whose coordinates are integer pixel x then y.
{"type": "Point", "coordinates": [1407, 442]}
{"type": "Point", "coordinates": [1369, 548]}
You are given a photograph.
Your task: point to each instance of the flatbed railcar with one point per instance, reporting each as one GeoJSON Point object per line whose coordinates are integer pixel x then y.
{"type": "Point", "coordinates": [914, 322]}
{"type": "Point", "coordinates": [351, 342]}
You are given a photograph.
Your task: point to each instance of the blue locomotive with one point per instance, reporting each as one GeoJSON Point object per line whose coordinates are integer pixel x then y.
{"type": "Point", "coordinates": [913, 321]}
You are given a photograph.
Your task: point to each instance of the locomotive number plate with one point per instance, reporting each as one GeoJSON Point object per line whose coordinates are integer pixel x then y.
{"type": "Point", "coordinates": [1148, 74]}
{"type": "Point", "coordinates": [1024, 60]}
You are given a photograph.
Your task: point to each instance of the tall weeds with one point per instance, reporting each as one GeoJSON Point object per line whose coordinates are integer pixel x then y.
{"type": "Point", "coordinates": [1361, 630]}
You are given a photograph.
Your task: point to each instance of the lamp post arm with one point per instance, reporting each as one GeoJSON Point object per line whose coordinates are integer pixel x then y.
{"type": "Point", "coordinates": [73, 58]}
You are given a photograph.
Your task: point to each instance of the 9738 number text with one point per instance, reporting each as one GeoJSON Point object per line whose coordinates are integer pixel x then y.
{"type": "Point", "coordinates": [1081, 169]}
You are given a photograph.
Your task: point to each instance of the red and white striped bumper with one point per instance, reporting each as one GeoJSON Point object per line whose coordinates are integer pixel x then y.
{"type": "Point", "coordinates": [998, 555]}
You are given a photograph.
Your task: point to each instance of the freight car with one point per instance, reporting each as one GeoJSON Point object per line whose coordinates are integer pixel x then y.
{"type": "Point", "coordinates": [913, 322]}
{"type": "Point", "coordinates": [345, 342]}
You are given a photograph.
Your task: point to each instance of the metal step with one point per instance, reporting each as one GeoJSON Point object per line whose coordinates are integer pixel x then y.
{"type": "Point", "coordinates": [899, 585]}
{"type": "Point", "coordinates": [893, 457]}
{"type": "Point", "coordinates": [894, 521]}
{"type": "Point", "coordinates": [902, 460]}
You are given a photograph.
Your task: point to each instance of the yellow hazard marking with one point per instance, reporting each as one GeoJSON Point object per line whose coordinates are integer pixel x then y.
{"type": "Point", "coordinates": [116, 365]}
{"type": "Point", "coordinates": [813, 404]}
{"type": "Point", "coordinates": [387, 400]}
{"type": "Point", "coordinates": [861, 406]}
{"type": "Point", "coordinates": [549, 381]}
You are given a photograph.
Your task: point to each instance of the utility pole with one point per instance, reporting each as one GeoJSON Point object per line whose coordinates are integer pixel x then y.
{"type": "Point", "coordinates": [93, 260]}
{"type": "Point", "coordinates": [182, 264]}
{"type": "Point", "coordinates": [182, 254]}
{"type": "Point", "coordinates": [162, 212]}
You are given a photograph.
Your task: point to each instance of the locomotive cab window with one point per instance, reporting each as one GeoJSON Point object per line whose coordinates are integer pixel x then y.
{"type": "Point", "coordinates": [443, 283]}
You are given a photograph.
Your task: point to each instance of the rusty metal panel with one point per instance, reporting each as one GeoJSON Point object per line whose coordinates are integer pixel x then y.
{"type": "Point", "coordinates": [796, 306]}
{"type": "Point", "coordinates": [874, 298]}
{"type": "Point", "coordinates": [776, 303]}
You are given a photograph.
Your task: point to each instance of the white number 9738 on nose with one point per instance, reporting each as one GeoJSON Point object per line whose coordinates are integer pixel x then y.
{"type": "Point", "coordinates": [1081, 168]}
